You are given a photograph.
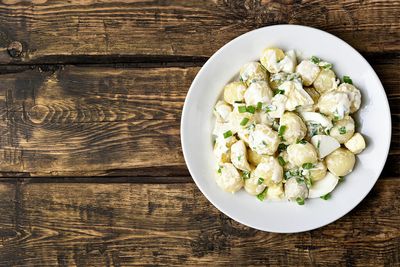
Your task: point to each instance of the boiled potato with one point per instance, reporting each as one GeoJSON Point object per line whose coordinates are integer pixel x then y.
{"type": "Point", "coordinates": [356, 144]}
{"type": "Point", "coordinates": [325, 81]}
{"type": "Point", "coordinates": [234, 92]}
{"type": "Point", "coordinates": [301, 153]}
{"type": "Point", "coordinates": [258, 92]}
{"type": "Point", "coordinates": [343, 130]}
{"type": "Point", "coordinates": [294, 130]}
{"type": "Point", "coordinates": [239, 156]}
{"type": "Point", "coordinates": [334, 104]}
{"type": "Point", "coordinates": [308, 71]}
{"type": "Point", "coordinates": [222, 111]}
{"type": "Point", "coordinates": [254, 185]}
{"type": "Point", "coordinates": [354, 95]}
{"type": "Point", "coordinates": [340, 162]}
{"type": "Point", "coordinates": [275, 192]}
{"type": "Point", "coordinates": [295, 189]}
{"type": "Point", "coordinates": [270, 59]}
{"type": "Point", "coordinates": [229, 178]}
{"type": "Point", "coordinates": [263, 140]}
{"type": "Point", "coordinates": [316, 172]}
{"type": "Point", "coordinates": [253, 72]}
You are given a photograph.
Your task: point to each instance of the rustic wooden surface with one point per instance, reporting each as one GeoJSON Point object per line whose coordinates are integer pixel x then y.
{"type": "Point", "coordinates": [90, 99]}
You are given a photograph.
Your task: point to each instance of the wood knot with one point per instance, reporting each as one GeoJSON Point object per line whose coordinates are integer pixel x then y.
{"type": "Point", "coordinates": [14, 49]}
{"type": "Point", "coordinates": [38, 113]}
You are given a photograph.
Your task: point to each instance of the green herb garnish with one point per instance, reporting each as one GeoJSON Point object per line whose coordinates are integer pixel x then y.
{"type": "Point", "coordinates": [260, 180]}
{"type": "Point", "coordinates": [281, 130]}
{"type": "Point", "coordinates": [303, 142]}
{"type": "Point", "coordinates": [307, 166]}
{"type": "Point", "coordinates": [279, 92]}
{"type": "Point", "coordinates": [327, 66]}
{"type": "Point", "coordinates": [259, 106]}
{"type": "Point", "coordinates": [227, 134]}
{"type": "Point", "coordinates": [341, 179]}
{"type": "Point", "coordinates": [251, 109]}
{"type": "Point", "coordinates": [219, 170]}
{"type": "Point", "coordinates": [326, 197]}
{"type": "Point", "coordinates": [318, 144]}
{"type": "Point", "coordinates": [315, 60]}
{"type": "Point", "coordinates": [342, 130]}
{"type": "Point", "coordinates": [300, 200]}
{"type": "Point", "coordinates": [282, 147]}
{"type": "Point", "coordinates": [242, 109]}
{"type": "Point", "coordinates": [262, 195]}
{"type": "Point", "coordinates": [308, 182]}
{"type": "Point", "coordinates": [245, 175]}
{"type": "Point", "coordinates": [282, 162]}
{"type": "Point", "coordinates": [346, 79]}
{"type": "Point", "coordinates": [244, 121]}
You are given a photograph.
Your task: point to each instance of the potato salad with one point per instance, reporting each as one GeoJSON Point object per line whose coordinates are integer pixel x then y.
{"type": "Point", "coordinates": [284, 129]}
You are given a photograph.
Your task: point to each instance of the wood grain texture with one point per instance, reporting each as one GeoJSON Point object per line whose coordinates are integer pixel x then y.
{"type": "Point", "coordinates": [91, 120]}
{"type": "Point", "coordinates": [133, 224]}
{"type": "Point", "coordinates": [71, 31]}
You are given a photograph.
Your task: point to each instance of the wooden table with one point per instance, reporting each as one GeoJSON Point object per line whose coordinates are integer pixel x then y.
{"type": "Point", "coordinates": [92, 171]}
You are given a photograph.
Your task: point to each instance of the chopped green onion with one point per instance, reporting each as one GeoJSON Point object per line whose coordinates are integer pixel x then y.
{"type": "Point", "coordinates": [251, 109]}
{"type": "Point", "coordinates": [281, 131]}
{"type": "Point", "coordinates": [315, 59]}
{"type": "Point", "coordinates": [262, 195]}
{"type": "Point", "coordinates": [318, 144]}
{"type": "Point", "coordinates": [341, 179]}
{"type": "Point", "coordinates": [245, 175]}
{"type": "Point", "coordinates": [239, 102]}
{"type": "Point", "coordinates": [308, 182]}
{"type": "Point", "coordinates": [299, 180]}
{"type": "Point", "coordinates": [300, 200]}
{"type": "Point", "coordinates": [239, 158]}
{"type": "Point", "coordinates": [244, 121]}
{"type": "Point", "coordinates": [259, 106]}
{"type": "Point", "coordinates": [303, 142]}
{"type": "Point", "coordinates": [228, 134]}
{"type": "Point", "coordinates": [219, 170]}
{"type": "Point", "coordinates": [241, 79]}
{"type": "Point", "coordinates": [307, 166]}
{"type": "Point", "coordinates": [326, 197]}
{"type": "Point", "coordinates": [279, 92]}
{"type": "Point", "coordinates": [282, 162]}
{"type": "Point", "coordinates": [346, 79]}
{"type": "Point", "coordinates": [264, 143]}
{"type": "Point", "coordinates": [342, 130]}
{"type": "Point", "coordinates": [260, 180]}
{"type": "Point", "coordinates": [327, 66]}
{"type": "Point", "coordinates": [282, 147]}
{"type": "Point", "coordinates": [242, 109]}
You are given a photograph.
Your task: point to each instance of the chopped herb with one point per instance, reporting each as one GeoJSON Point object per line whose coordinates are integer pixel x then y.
{"type": "Point", "coordinates": [239, 158]}
{"type": "Point", "coordinates": [308, 182]}
{"type": "Point", "coordinates": [300, 201]}
{"type": "Point", "coordinates": [299, 180]}
{"type": "Point", "coordinates": [282, 162]}
{"type": "Point", "coordinates": [241, 79]}
{"type": "Point", "coordinates": [242, 109]}
{"type": "Point", "coordinates": [282, 147]}
{"type": "Point", "coordinates": [219, 170]}
{"type": "Point", "coordinates": [270, 108]}
{"type": "Point", "coordinates": [327, 66]}
{"type": "Point", "coordinates": [281, 131]}
{"type": "Point", "coordinates": [239, 102]}
{"type": "Point", "coordinates": [336, 117]}
{"type": "Point", "coordinates": [326, 197]}
{"type": "Point", "coordinates": [264, 143]}
{"type": "Point", "coordinates": [262, 195]}
{"type": "Point", "coordinates": [341, 179]}
{"type": "Point", "coordinates": [342, 130]}
{"type": "Point", "coordinates": [214, 141]}
{"type": "Point", "coordinates": [251, 109]}
{"type": "Point", "coordinates": [315, 59]}
{"type": "Point", "coordinates": [318, 144]}
{"type": "Point", "coordinates": [303, 142]}
{"type": "Point", "coordinates": [260, 180]}
{"type": "Point", "coordinates": [227, 134]}
{"type": "Point", "coordinates": [244, 121]}
{"type": "Point", "coordinates": [259, 106]}
{"type": "Point", "coordinates": [245, 175]}
{"type": "Point", "coordinates": [346, 79]}
{"type": "Point", "coordinates": [279, 92]}
{"type": "Point", "coordinates": [307, 166]}
{"type": "Point", "coordinates": [328, 131]}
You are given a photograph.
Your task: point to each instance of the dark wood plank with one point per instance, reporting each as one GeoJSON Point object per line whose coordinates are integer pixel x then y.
{"type": "Point", "coordinates": [92, 120]}
{"type": "Point", "coordinates": [135, 224]}
{"type": "Point", "coordinates": [71, 31]}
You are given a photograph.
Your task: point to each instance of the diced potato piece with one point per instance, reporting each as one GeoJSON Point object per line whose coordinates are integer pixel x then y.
{"type": "Point", "coordinates": [270, 59]}
{"type": "Point", "coordinates": [325, 81]}
{"type": "Point", "coordinates": [340, 162]}
{"type": "Point", "coordinates": [234, 91]}
{"type": "Point", "coordinates": [308, 72]}
{"type": "Point", "coordinates": [356, 144]}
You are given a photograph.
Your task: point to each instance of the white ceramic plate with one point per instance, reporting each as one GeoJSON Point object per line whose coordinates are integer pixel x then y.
{"type": "Point", "coordinates": [373, 120]}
